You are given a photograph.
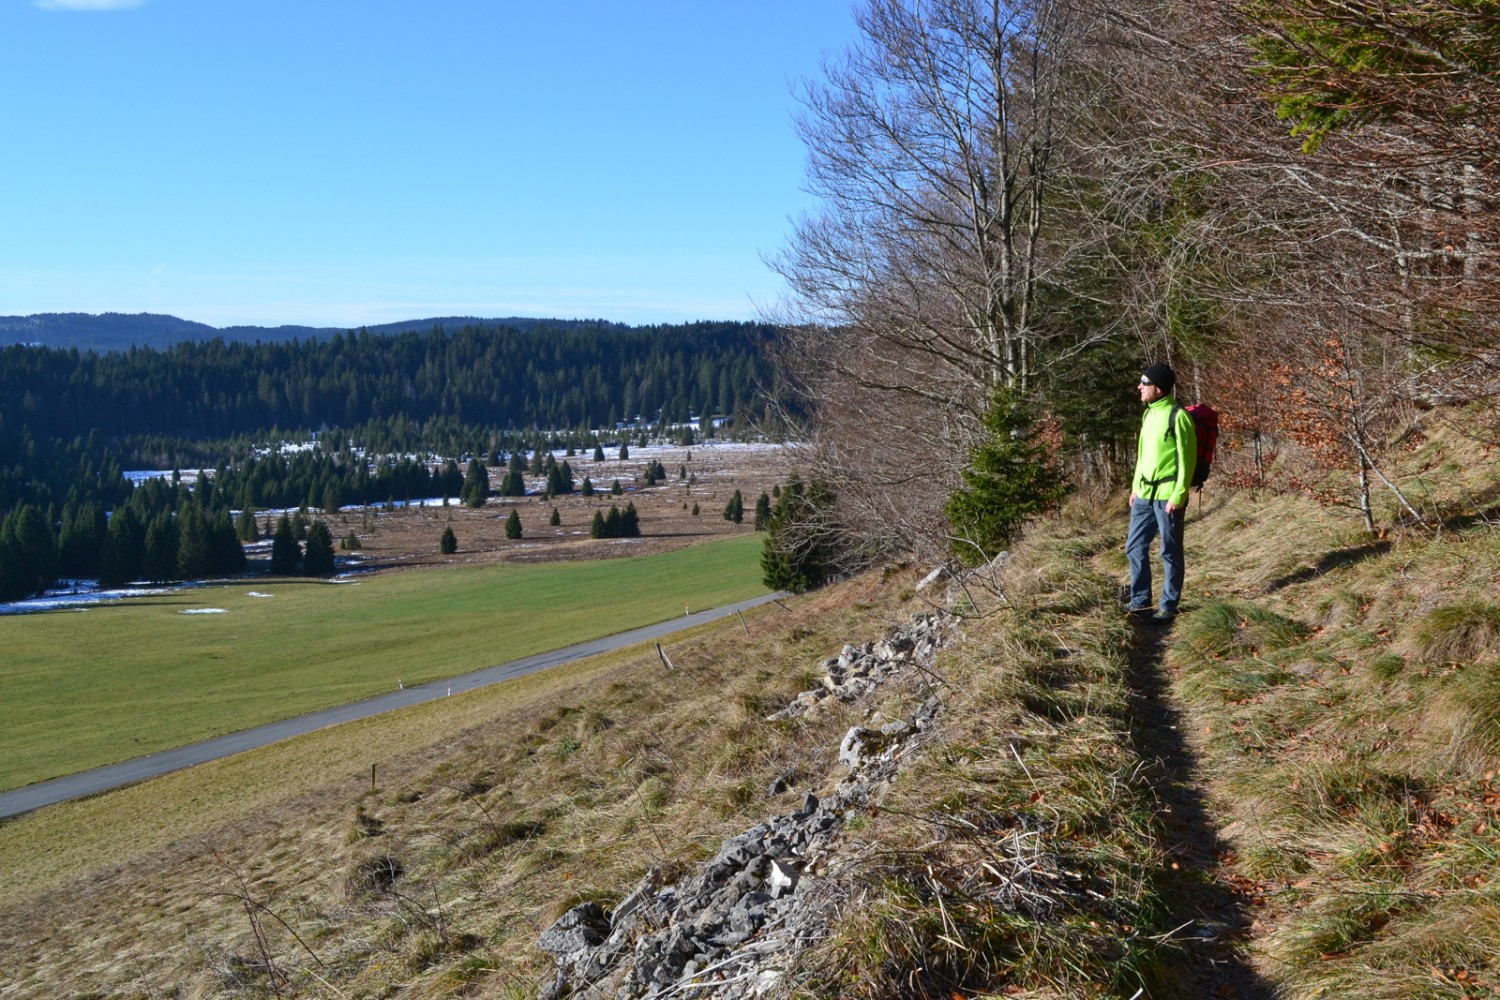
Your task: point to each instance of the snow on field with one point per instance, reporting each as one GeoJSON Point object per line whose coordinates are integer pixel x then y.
{"type": "Point", "coordinates": [78, 594]}
{"type": "Point", "coordinates": [139, 476]}
{"type": "Point", "coordinates": [205, 611]}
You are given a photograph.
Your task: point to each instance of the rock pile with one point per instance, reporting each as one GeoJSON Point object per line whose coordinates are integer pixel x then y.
{"type": "Point", "coordinates": [858, 670]}
{"type": "Point", "coordinates": [734, 928]}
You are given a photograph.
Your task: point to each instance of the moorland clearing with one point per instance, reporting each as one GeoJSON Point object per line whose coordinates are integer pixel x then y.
{"type": "Point", "coordinates": [118, 680]}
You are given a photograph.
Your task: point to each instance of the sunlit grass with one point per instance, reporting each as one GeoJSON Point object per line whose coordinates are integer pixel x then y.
{"type": "Point", "coordinates": [93, 687]}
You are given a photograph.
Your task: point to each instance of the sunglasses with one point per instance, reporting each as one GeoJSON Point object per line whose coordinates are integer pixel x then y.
{"type": "Point", "coordinates": [1147, 381]}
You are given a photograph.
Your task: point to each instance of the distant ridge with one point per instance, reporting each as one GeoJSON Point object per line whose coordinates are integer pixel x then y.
{"type": "Point", "coordinates": [106, 332]}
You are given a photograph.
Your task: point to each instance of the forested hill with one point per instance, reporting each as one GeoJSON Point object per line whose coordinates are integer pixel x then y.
{"type": "Point", "coordinates": [122, 331]}
{"type": "Point", "coordinates": [70, 420]}
{"type": "Point", "coordinates": [503, 377]}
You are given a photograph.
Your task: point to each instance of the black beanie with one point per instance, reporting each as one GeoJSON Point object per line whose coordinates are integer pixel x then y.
{"type": "Point", "coordinates": [1160, 375]}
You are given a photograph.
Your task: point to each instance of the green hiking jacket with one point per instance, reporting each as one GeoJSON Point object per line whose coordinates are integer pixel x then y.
{"type": "Point", "coordinates": [1164, 462]}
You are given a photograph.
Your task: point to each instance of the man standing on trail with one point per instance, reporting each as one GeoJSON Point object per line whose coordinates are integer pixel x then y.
{"type": "Point", "coordinates": [1165, 457]}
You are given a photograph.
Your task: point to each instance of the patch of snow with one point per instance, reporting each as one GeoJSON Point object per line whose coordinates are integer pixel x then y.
{"type": "Point", "coordinates": [139, 476]}
{"type": "Point", "coordinates": [256, 593]}
{"type": "Point", "coordinates": [204, 611]}
{"type": "Point", "coordinates": [79, 593]}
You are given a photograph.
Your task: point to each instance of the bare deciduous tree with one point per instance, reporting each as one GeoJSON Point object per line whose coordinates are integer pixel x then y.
{"type": "Point", "coordinates": [935, 145]}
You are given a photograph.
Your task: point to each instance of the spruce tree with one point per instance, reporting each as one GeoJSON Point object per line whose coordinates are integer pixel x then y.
{"type": "Point", "coordinates": [596, 527]}
{"type": "Point", "coordinates": [81, 541]}
{"type": "Point", "coordinates": [798, 551]}
{"type": "Point", "coordinates": [624, 451]}
{"type": "Point", "coordinates": [513, 525]}
{"type": "Point", "coordinates": [762, 511]}
{"type": "Point", "coordinates": [13, 581]}
{"type": "Point", "coordinates": [1010, 479]}
{"type": "Point", "coordinates": [630, 522]}
{"type": "Point", "coordinates": [734, 510]}
{"type": "Point", "coordinates": [121, 558]}
{"type": "Point", "coordinates": [225, 553]}
{"type": "Point", "coordinates": [192, 543]}
{"type": "Point", "coordinates": [33, 549]}
{"type": "Point", "coordinates": [476, 488]}
{"type": "Point", "coordinates": [285, 552]}
{"type": "Point", "coordinates": [318, 559]}
{"type": "Point", "coordinates": [556, 518]}
{"type": "Point", "coordinates": [160, 563]}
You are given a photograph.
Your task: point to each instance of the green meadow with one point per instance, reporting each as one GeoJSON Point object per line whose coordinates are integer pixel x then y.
{"type": "Point", "coordinates": [108, 683]}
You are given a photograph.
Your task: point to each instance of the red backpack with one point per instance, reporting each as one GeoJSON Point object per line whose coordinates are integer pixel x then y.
{"type": "Point", "coordinates": [1206, 428]}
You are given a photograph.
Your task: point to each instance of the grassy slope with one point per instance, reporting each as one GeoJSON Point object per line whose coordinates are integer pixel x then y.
{"type": "Point", "coordinates": [1292, 793]}
{"type": "Point", "coordinates": [502, 806]}
{"type": "Point", "coordinates": [89, 688]}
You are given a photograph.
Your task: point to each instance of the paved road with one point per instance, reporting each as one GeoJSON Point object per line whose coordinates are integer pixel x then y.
{"type": "Point", "coordinates": [102, 779]}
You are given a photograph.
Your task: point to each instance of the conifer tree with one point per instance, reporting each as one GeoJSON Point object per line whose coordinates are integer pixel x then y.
{"type": "Point", "coordinates": [762, 511]}
{"type": "Point", "coordinates": [588, 487]}
{"type": "Point", "coordinates": [124, 551]}
{"type": "Point", "coordinates": [1010, 479]}
{"type": "Point", "coordinates": [630, 522]}
{"type": "Point", "coordinates": [13, 581]}
{"type": "Point", "coordinates": [82, 540]}
{"type": "Point", "coordinates": [513, 525]}
{"type": "Point", "coordinates": [192, 543]}
{"type": "Point", "coordinates": [285, 552]}
{"type": "Point", "coordinates": [556, 518]}
{"type": "Point", "coordinates": [318, 559]}
{"type": "Point", "coordinates": [734, 510]}
{"type": "Point", "coordinates": [596, 527]}
{"type": "Point", "coordinates": [448, 544]}
{"type": "Point", "coordinates": [160, 563]}
{"type": "Point", "coordinates": [247, 530]}
{"type": "Point", "coordinates": [33, 549]}
{"type": "Point", "coordinates": [476, 488]}
{"type": "Point", "coordinates": [225, 553]}
{"type": "Point", "coordinates": [332, 497]}
{"type": "Point", "coordinates": [798, 550]}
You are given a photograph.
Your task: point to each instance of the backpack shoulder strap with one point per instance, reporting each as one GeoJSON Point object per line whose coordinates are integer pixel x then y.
{"type": "Point", "coordinates": [1172, 420]}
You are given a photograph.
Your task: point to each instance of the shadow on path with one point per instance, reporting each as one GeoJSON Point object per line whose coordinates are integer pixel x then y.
{"type": "Point", "coordinates": [1208, 920]}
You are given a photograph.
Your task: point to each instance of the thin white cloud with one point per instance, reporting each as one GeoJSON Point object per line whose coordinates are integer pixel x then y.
{"type": "Point", "coordinates": [87, 4]}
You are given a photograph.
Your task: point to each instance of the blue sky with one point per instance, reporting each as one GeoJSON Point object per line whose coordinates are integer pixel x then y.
{"type": "Point", "coordinates": [348, 162]}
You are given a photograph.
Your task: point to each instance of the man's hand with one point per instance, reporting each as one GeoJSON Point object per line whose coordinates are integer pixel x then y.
{"type": "Point", "coordinates": [1132, 499]}
{"type": "Point", "coordinates": [1172, 508]}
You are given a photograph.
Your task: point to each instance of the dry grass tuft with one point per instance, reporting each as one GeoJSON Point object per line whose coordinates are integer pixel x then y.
{"type": "Point", "coordinates": [1461, 632]}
